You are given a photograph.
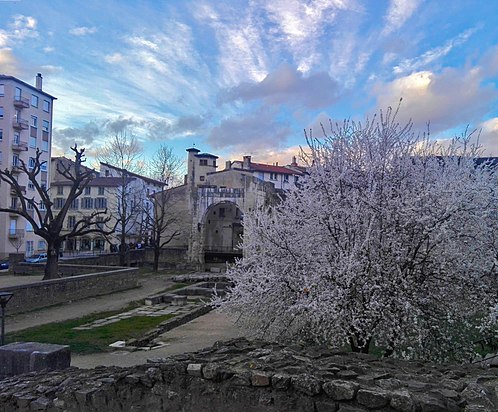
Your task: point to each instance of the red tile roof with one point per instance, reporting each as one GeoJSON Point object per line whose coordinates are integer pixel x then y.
{"type": "Point", "coordinates": [261, 167]}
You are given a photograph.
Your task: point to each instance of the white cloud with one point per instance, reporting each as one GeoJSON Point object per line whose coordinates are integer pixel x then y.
{"type": "Point", "coordinates": [48, 49]}
{"type": "Point", "coordinates": [49, 68]}
{"type": "Point", "coordinates": [398, 13]}
{"type": "Point", "coordinates": [489, 137]}
{"type": "Point", "coordinates": [8, 62]}
{"type": "Point", "coordinates": [446, 99]}
{"type": "Point", "coordinates": [20, 28]}
{"type": "Point", "coordinates": [82, 31]}
{"type": "Point", "coordinates": [114, 58]}
{"type": "Point", "coordinates": [409, 65]}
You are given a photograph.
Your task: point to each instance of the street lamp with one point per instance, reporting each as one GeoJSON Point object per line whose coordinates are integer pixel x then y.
{"type": "Point", "coordinates": [4, 299]}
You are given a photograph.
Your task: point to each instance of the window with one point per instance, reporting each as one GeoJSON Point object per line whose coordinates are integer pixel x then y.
{"type": "Point", "coordinates": [1, 112]}
{"type": "Point", "coordinates": [45, 125]}
{"type": "Point", "coordinates": [87, 203]}
{"type": "Point", "coordinates": [100, 223]}
{"type": "Point", "coordinates": [28, 227]}
{"type": "Point", "coordinates": [100, 203]}
{"type": "Point", "coordinates": [71, 222]}
{"type": "Point", "coordinates": [34, 121]}
{"type": "Point", "coordinates": [34, 100]}
{"type": "Point", "coordinates": [222, 212]}
{"type": "Point", "coordinates": [0, 157]}
{"type": "Point", "coordinates": [202, 178]}
{"type": "Point", "coordinates": [43, 185]}
{"type": "Point", "coordinates": [32, 142]}
{"type": "Point", "coordinates": [43, 167]}
{"type": "Point", "coordinates": [41, 245]}
{"type": "Point", "coordinates": [13, 202]}
{"type": "Point", "coordinates": [101, 191]}
{"type": "Point", "coordinates": [18, 93]}
{"type": "Point", "coordinates": [88, 190]}
{"type": "Point", "coordinates": [42, 206]}
{"type": "Point", "coordinates": [46, 106]}
{"type": "Point", "coordinates": [17, 138]}
{"type": "Point", "coordinates": [203, 162]}
{"type": "Point", "coordinates": [44, 145]}
{"type": "Point", "coordinates": [60, 190]}
{"type": "Point", "coordinates": [2, 89]}
{"type": "Point", "coordinates": [29, 206]}
{"type": "Point", "coordinates": [1, 134]}
{"type": "Point", "coordinates": [59, 202]}
{"type": "Point", "coordinates": [286, 178]}
{"type": "Point", "coordinates": [31, 186]}
{"type": "Point", "coordinates": [273, 176]}
{"type": "Point", "coordinates": [31, 163]}
{"type": "Point", "coordinates": [29, 247]}
{"type": "Point", "coordinates": [15, 160]}
{"type": "Point", "coordinates": [74, 204]}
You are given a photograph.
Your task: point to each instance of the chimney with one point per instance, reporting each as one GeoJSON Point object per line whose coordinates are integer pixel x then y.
{"type": "Point", "coordinates": [228, 165]}
{"type": "Point", "coordinates": [39, 81]}
{"type": "Point", "coordinates": [276, 163]}
{"type": "Point", "coordinates": [247, 162]}
{"type": "Point", "coordinates": [294, 162]}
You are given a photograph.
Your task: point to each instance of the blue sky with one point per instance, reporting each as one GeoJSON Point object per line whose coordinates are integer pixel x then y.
{"type": "Point", "coordinates": [247, 77]}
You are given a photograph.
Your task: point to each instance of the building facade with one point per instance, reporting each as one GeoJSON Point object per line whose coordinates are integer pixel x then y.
{"type": "Point", "coordinates": [104, 193]}
{"type": "Point", "coordinates": [26, 115]}
{"type": "Point", "coordinates": [209, 207]}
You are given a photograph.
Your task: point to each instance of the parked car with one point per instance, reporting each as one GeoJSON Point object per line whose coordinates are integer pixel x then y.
{"type": "Point", "coordinates": [4, 264]}
{"type": "Point", "coordinates": [41, 257]}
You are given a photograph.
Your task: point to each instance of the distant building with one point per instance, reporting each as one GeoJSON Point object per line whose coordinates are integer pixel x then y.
{"type": "Point", "coordinates": [210, 205]}
{"type": "Point", "coordinates": [26, 114]}
{"type": "Point", "coordinates": [103, 193]}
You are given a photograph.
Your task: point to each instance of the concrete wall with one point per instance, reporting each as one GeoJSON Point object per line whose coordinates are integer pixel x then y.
{"type": "Point", "coordinates": [51, 292]}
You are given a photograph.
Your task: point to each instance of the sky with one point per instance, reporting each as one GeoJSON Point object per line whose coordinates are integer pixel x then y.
{"type": "Point", "coordinates": [240, 78]}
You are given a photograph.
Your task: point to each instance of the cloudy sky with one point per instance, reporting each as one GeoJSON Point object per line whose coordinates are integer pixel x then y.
{"type": "Point", "coordinates": [247, 77]}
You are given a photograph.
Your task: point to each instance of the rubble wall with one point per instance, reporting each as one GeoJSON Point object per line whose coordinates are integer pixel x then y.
{"type": "Point", "coordinates": [255, 376]}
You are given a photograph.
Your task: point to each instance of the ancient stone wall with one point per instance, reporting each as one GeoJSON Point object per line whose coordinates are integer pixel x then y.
{"type": "Point", "coordinates": [256, 376]}
{"type": "Point", "coordinates": [50, 292]}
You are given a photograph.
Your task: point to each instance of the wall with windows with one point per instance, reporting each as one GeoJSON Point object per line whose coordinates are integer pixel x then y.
{"type": "Point", "coordinates": [25, 126]}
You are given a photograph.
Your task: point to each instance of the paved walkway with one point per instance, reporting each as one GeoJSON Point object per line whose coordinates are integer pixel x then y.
{"type": "Point", "coordinates": [199, 333]}
{"type": "Point", "coordinates": [150, 284]}
{"type": "Point", "coordinates": [7, 280]}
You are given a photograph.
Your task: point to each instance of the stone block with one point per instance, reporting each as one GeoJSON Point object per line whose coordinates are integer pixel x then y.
{"type": "Point", "coordinates": [23, 357]}
{"type": "Point", "coordinates": [194, 369]}
{"type": "Point", "coordinates": [260, 379]}
{"type": "Point", "coordinates": [372, 398]}
{"type": "Point", "coordinates": [340, 390]}
{"type": "Point", "coordinates": [154, 300]}
{"type": "Point", "coordinates": [179, 300]}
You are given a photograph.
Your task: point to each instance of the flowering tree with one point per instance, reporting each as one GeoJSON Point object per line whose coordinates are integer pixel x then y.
{"type": "Point", "coordinates": [384, 244]}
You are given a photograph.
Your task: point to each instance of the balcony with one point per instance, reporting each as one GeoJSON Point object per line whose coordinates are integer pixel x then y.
{"type": "Point", "coordinates": [15, 233]}
{"type": "Point", "coordinates": [20, 146]}
{"type": "Point", "coordinates": [20, 124]}
{"type": "Point", "coordinates": [21, 102]}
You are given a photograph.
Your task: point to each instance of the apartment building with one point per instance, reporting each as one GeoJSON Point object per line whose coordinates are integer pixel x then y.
{"type": "Point", "coordinates": [104, 194]}
{"type": "Point", "coordinates": [26, 114]}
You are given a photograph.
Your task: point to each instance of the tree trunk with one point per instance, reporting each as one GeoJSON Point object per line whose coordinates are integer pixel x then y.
{"type": "Point", "coordinates": [157, 251]}
{"type": "Point", "coordinates": [52, 266]}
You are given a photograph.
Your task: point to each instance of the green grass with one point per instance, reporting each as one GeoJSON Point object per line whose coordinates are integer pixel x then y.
{"type": "Point", "coordinates": [92, 340]}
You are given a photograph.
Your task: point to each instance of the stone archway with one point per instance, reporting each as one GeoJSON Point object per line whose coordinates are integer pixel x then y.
{"type": "Point", "coordinates": [222, 231]}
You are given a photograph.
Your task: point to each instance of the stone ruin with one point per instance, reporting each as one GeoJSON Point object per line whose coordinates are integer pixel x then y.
{"type": "Point", "coordinates": [252, 376]}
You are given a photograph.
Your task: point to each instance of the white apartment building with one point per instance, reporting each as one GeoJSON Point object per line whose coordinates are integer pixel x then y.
{"type": "Point", "coordinates": [25, 125]}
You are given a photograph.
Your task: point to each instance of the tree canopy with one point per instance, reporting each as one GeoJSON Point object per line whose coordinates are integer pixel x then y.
{"type": "Point", "coordinates": [389, 242]}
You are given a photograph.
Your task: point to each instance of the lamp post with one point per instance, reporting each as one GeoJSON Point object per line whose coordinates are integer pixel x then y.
{"type": "Point", "coordinates": [4, 299]}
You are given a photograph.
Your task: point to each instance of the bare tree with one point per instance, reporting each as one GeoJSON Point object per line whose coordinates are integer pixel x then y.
{"type": "Point", "coordinates": [160, 212]}
{"type": "Point", "coordinates": [41, 214]}
{"type": "Point", "coordinates": [124, 153]}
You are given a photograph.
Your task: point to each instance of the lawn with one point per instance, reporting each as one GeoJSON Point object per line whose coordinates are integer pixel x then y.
{"type": "Point", "coordinates": [92, 340]}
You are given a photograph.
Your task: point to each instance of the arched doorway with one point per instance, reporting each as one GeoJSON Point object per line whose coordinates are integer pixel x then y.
{"type": "Point", "coordinates": [222, 232]}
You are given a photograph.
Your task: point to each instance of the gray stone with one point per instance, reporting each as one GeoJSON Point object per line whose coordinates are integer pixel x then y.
{"type": "Point", "coordinates": [429, 403]}
{"type": "Point", "coordinates": [402, 401]}
{"type": "Point", "coordinates": [347, 374]}
{"type": "Point", "coordinates": [280, 381]}
{"type": "Point", "coordinates": [194, 369]}
{"type": "Point", "coordinates": [325, 406]}
{"type": "Point", "coordinates": [372, 398]}
{"type": "Point", "coordinates": [340, 390]}
{"type": "Point", "coordinates": [307, 384]}
{"type": "Point", "coordinates": [23, 357]}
